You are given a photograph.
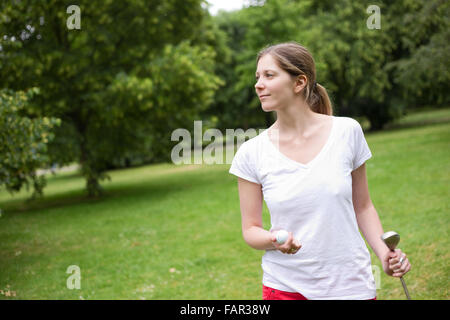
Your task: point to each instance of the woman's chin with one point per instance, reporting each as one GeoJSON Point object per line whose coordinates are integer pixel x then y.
{"type": "Point", "coordinates": [268, 108]}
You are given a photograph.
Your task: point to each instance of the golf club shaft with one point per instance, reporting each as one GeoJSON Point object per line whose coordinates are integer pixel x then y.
{"type": "Point", "coordinates": [405, 288]}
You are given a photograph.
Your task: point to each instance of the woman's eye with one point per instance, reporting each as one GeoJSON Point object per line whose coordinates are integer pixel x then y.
{"type": "Point", "coordinates": [268, 75]}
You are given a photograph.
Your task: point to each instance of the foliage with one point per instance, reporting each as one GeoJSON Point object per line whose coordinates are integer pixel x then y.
{"type": "Point", "coordinates": [23, 143]}
{"type": "Point", "coordinates": [120, 84]}
{"type": "Point", "coordinates": [423, 67]}
{"type": "Point", "coordinates": [376, 73]}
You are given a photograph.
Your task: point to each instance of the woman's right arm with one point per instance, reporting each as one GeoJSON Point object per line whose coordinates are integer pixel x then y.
{"type": "Point", "coordinates": [251, 200]}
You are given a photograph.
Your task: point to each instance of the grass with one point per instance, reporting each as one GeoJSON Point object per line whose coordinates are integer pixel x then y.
{"type": "Point", "coordinates": [173, 232]}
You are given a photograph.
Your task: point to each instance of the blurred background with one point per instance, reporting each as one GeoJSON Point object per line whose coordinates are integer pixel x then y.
{"type": "Point", "coordinates": [90, 93]}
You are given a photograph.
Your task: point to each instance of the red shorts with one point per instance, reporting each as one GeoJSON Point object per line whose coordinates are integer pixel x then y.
{"type": "Point", "coordinates": [274, 294]}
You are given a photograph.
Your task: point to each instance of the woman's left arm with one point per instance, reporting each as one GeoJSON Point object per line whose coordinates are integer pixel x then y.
{"type": "Point", "coordinates": [370, 225]}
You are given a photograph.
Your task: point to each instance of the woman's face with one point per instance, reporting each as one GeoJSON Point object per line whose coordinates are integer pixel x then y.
{"type": "Point", "coordinates": [274, 86]}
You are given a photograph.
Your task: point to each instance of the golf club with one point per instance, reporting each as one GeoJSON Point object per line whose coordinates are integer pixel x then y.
{"type": "Point", "coordinates": [391, 239]}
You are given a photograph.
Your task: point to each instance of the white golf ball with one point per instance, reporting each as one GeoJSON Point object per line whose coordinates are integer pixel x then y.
{"type": "Point", "coordinates": [282, 236]}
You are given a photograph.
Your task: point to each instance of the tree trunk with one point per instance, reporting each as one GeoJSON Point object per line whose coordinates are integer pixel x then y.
{"type": "Point", "coordinates": [88, 170]}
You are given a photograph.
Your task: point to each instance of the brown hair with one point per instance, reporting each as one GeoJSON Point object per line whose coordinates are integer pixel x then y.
{"type": "Point", "coordinates": [296, 60]}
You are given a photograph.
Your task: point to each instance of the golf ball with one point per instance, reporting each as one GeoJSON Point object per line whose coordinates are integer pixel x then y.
{"type": "Point", "coordinates": [282, 236]}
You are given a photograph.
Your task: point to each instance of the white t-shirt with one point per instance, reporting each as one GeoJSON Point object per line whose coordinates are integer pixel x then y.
{"type": "Point", "coordinates": [314, 202]}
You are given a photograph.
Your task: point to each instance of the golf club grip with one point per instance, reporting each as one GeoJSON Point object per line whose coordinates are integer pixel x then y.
{"type": "Point", "coordinates": [405, 288]}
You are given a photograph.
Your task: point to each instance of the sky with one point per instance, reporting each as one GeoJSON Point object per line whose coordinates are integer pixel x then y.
{"type": "Point", "coordinates": [225, 4]}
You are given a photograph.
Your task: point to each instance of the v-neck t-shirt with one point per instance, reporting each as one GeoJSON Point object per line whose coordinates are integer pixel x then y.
{"type": "Point", "coordinates": [314, 202]}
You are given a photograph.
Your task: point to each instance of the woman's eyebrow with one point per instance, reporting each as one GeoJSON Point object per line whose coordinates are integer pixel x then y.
{"type": "Point", "coordinates": [266, 70]}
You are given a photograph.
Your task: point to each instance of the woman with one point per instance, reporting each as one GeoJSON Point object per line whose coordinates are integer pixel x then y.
{"type": "Point", "coordinates": [310, 168]}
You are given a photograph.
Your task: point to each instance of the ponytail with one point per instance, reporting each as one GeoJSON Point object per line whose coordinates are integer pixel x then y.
{"type": "Point", "coordinates": [319, 100]}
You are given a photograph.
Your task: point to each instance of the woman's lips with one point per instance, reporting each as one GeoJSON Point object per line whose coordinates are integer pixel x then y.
{"type": "Point", "coordinates": [264, 96]}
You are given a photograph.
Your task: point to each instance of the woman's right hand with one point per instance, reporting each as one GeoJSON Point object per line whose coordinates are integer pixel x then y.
{"type": "Point", "coordinates": [290, 246]}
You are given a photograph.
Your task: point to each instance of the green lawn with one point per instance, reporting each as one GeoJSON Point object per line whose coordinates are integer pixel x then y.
{"type": "Point", "coordinates": [173, 232]}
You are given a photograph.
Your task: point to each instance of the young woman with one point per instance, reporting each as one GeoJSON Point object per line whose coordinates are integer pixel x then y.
{"type": "Point", "coordinates": [309, 167]}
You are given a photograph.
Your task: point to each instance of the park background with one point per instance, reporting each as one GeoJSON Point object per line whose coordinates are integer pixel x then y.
{"type": "Point", "coordinates": [87, 113]}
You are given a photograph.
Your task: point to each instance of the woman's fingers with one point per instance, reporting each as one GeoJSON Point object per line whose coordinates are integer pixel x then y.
{"type": "Point", "coordinates": [286, 246]}
{"type": "Point", "coordinates": [290, 246]}
{"type": "Point", "coordinates": [395, 258]}
{"type": "Point", "coordinates": [399, 264]}
{"type": "Point", "coordinates": [296, 246]}
{"type": "Point", "coordinates": [406, 266]}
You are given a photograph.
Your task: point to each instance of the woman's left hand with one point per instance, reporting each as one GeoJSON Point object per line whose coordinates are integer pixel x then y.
{"type": "Point", "coordinates": [396, 264]}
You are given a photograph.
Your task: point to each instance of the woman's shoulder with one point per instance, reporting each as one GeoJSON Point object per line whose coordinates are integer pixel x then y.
{"type": "Point", "coordinates": [347, 122]}
{"type": "Point", "coordinates": [252, 143]}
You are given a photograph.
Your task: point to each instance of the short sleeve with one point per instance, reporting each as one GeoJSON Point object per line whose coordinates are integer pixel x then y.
{"type": "Point", "coordinates": [244, 163]}
{"type": "Point", "coordinates": [361, 150]}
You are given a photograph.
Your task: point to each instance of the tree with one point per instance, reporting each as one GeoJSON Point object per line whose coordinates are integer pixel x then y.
{"type": "Point", "coordinates": [121, 83]}
{"type": "Point", "coordinates": [375, 73]}
{"type": "Point", "coordinates": [351, 59]}
{"type": "Point", "coordinates": [23, 143]}
{"type": "Point", "coordinates": [421, 65]}
{"type": "Point", "coordinates": [229, 105]}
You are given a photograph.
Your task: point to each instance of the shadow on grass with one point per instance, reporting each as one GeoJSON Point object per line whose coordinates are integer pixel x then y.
{"type": "Point", "coordinates": [415, 124]}
{"type": "Point", "coordinates": [154, 189]}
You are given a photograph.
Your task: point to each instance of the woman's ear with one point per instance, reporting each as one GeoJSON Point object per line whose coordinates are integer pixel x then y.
{"type": "Point", "coordinates": [300, 83]}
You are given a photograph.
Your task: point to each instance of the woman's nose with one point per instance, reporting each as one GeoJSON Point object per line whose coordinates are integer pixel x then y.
{"type": "Point", "coordinates": [259, 84]}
